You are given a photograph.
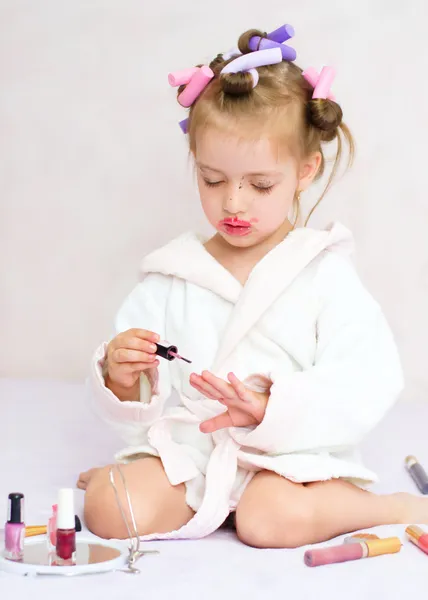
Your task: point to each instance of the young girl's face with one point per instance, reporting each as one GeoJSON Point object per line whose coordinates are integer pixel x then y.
{"type": "Point", "coordinates": [246, 188]}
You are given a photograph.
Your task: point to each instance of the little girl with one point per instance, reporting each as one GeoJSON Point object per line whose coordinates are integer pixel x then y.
{"type": "Point", "coordinates": [293, 362]}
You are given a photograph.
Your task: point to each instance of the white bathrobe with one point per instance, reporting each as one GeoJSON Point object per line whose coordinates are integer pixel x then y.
{"type": "Point", "coordinates": [303, 321]}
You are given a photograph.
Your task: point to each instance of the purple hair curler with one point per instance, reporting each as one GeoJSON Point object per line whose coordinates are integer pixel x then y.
{"type": "Point", "coordinates": [231, 53]}
{"type": "Point", "coordinates": [260, 58]}
{"type": "Point", "coordinates": [249, 62]}
{"type": "Point", "coordinates": [258, 43]}
{"type": "Point", "coordinates": [282, 34]}
{"type": "Point", "coordinates": [184, 125]}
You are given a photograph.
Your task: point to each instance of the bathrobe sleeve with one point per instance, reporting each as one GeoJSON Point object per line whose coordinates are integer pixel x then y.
{"type": "Point", "coordinates": [144, 308]}
{"type": "Point", "coordinates": [355, 378]}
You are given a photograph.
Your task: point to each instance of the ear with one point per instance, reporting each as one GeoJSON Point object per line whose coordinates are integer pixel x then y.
{"type": "Point", "coordinates": [308, 170]}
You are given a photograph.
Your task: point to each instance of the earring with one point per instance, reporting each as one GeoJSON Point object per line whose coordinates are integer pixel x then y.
{"type": "Point", "coordinates": [297, 196]}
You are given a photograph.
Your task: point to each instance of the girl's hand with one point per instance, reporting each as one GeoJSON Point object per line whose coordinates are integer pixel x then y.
{"type": "Point", "coordinates": [244, 407]}
{"type": "Point", "coordinates": [129, 354]}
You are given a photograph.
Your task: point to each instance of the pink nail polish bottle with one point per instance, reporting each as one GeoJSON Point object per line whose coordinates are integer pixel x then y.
{"type": "Point", "coordinates": [15, 528]}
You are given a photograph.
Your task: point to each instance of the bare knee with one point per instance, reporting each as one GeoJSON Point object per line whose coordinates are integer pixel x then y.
{"type": "Point", "coordinates": [101, 513]}
{"type": "Point", "coordinates": [274, 526]}
{"type": "Point", "coordinates": [277, 520]}
{"type": "Point", "coordinates": [158, 507]}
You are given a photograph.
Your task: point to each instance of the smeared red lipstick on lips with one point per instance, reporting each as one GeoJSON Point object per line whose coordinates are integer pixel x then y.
{"type": "Point", "coordinates": [235, 226]}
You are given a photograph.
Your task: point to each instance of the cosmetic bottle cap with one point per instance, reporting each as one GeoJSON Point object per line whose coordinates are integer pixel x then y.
{"type": "Point", "coordinates": [16, 508]}
{"type": "Point", "coordinates": [65, 518]}
{"type": "Point", "coordinates": [77, 523]}
{"type": "Point", "coordinates": [410, 461]}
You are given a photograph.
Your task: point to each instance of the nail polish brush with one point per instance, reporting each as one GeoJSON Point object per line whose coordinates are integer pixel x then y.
{"type": "Point", "coordinates": [169, 352]}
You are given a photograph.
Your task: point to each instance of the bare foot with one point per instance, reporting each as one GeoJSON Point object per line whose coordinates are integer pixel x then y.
{"type": "Point", "coordinates": [413, 509]}
{"type": "Point", "coordinates": [85, 477]}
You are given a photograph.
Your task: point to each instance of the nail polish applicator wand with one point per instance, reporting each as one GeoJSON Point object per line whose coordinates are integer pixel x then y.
{"type": "Point", "coordinates": [169, 352]}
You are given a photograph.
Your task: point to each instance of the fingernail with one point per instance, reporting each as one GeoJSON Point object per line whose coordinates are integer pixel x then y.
{"type": "Point", "coordinates": [153, 347]}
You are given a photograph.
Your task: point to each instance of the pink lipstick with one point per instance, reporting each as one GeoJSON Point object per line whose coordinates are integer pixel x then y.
{"type": "Point", "coordinates": [235, 226]}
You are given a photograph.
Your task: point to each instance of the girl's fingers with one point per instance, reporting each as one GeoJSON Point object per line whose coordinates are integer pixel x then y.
{"type": "Point", "coordinates": [225, 389]}
{"type": "Point", "coordinates": [144, 334]}
{"type": "Point", "coordinates": [238, 404]}
{"type": "Point", "coordinates": [129, 368]}
{"type": "Point", "coordinates": [140, 366]}
{"type": "Point", "coordinates": [203, 392]}
{"type": "Point", "coordinates": [205, 388]}
{"type": "Point", "coordinates": [216, 423]}
{"type": "Point", "coordinates": [134, 343]}
{"type": "Point", "coordinates": [242, 392]}
{"type": "Point", "coordinates": [123, 355]}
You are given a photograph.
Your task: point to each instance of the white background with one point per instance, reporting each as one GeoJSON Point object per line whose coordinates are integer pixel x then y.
{"type": "Point", "coordinates": [94, 171]}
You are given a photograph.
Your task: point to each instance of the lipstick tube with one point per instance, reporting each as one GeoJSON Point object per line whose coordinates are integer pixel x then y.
{"type": "Point", "coordinates": [360, 537]}
{"type": "Point", "coordinates": [15, 528]}
{"type": "Point", "coordinates": [66, 530]}
{"type": "Point", "coordinates": [418, 536]}
{"type": "Point", "coordinates": [346, 552]}
{"type": "Point", "coordinates": [417, 473]}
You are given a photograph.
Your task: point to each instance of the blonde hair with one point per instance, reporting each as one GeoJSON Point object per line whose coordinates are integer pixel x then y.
{"type": "Point", "coordinates": [231, 101]}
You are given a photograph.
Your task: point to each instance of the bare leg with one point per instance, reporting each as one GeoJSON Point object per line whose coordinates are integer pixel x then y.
{"type": "Point", "coordinates": [158, 506]}
{"type": "Point", "coordinates": [276, 513]}
{"type": "Point", "coordinates": [84, 478]}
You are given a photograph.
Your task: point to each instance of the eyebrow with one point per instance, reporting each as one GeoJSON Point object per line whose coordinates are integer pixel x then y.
{"type": "Point", "coordinates": [255, 174]}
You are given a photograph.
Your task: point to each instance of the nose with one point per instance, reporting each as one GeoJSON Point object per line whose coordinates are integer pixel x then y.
{"type": "Point", "coordinates": [234, 201]}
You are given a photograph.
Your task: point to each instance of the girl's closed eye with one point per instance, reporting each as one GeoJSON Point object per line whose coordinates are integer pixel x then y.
{"type": "Point", "coordinates": [263, 189]}
{"type": "Point", "coordinates": [212, 183]}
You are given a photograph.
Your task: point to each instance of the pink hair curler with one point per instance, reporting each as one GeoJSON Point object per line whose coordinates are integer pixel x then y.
{"type": "Point", "coordinates": [282, 34]}
{"type": "Point", "coordinates": [322, 88]}
{"type": "Point", "coordinates": [195, 86]}
{"type": "Point", "coordinates": [181, 77]}
{"type": "Point", "coordinates": [257, 43]}
{"type": "Point", "coordinates": [312, 77]}
{"type": "Point", "coordinates": [249, 62]}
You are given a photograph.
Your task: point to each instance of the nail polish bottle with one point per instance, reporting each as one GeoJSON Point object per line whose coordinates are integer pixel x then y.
{"type": "Point", "coordinates": [66, 530]}
{"type": "Point", "coordinates": [15, 528]}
